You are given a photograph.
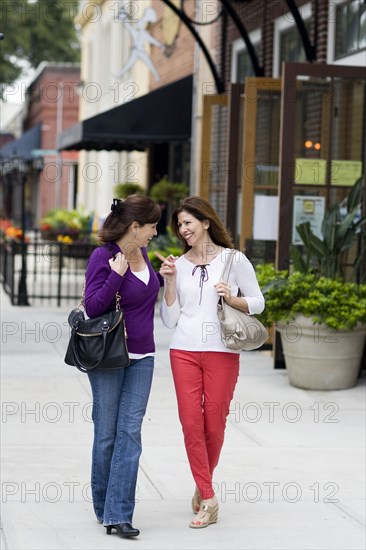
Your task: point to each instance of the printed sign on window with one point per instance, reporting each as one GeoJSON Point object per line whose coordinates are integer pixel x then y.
{"type": "Point", "coordinates": [308, 209]}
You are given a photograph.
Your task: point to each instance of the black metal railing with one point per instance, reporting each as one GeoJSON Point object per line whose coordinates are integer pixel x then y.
{"type": "Point", "coordinates": [55, 270]}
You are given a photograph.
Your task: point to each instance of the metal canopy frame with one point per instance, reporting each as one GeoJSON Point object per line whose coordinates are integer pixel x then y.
{"type": "Point", "coordinates": [220, 86]}
{"type": "Point", "coordinates": [310, 49]}
{"type": "Point", "coordinates": [258, 70]}
{"type": "Point", "coordinates": [227, 10]}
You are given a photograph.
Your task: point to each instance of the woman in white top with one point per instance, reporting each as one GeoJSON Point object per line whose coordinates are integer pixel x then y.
{"type": "Point", "coordinates": [205, 372]}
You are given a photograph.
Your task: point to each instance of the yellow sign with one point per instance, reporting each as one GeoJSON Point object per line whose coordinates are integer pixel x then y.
{"type": "Point", "coordinates": [313, 172]}
{"type": "Point", "coordinates": [310, 171]}
{"type": "Point", "coordinates": [345, 172]}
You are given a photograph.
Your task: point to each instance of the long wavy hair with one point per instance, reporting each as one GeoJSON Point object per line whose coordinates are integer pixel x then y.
{"type": "Point", "coordinates": [202, 210]}
{"type": "Point", "coordinates": [136, 208]}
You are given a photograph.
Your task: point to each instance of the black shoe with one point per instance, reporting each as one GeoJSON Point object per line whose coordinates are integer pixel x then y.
{"type": "Point", "coordinates": [123, 529]}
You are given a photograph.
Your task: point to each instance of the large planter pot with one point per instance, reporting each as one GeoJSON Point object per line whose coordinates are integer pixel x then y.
{"type": "Point", "coordinates": [320, 358]}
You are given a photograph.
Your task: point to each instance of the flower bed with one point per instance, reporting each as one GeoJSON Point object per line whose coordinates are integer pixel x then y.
{"type": "Point", "coordinates": [65, 225]}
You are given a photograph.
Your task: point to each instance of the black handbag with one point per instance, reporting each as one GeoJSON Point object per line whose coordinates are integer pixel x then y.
{"type": "Point", "coordinates": [98, 343]}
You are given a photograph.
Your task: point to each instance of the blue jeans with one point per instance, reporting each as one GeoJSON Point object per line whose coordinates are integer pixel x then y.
{"type": "Point", "coordinates": [119, 403]}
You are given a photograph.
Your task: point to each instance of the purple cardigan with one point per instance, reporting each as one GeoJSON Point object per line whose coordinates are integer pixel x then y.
{"type": "Point", "coordinates": [137, 299]}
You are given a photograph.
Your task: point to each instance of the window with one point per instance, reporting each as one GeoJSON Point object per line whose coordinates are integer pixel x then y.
{"type": "Point", "coordinates": [241, 64]}
{"type": "Point", "coordinates": [350, 35]}
{"type": "Point", "coordinates": [287, 39]}
{"type": "Point", "coordinates": [291, 47]}
{"type": "Point", "coordinates": [244, 65]}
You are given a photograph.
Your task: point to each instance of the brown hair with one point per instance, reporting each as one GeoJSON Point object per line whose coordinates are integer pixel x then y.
{"type": "Point", "coordinates": [136, 208]}
{"type": "Point", "coordinates": [202, 210]}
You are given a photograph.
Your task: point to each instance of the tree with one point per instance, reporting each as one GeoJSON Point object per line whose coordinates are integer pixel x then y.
{"type": "Point", "coordinates": [36, 31]}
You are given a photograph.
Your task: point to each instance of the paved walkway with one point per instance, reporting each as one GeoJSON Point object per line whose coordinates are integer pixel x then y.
{"type": "Point", "coordinates": [291, 474]}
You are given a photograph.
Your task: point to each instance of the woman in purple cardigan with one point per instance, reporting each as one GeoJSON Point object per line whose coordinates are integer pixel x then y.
{"type": "Point", "coordinates": [120, 395]}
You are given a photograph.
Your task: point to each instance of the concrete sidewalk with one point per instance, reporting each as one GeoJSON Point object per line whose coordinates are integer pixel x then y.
{"type": "Point", "coordinates": [291, 474]}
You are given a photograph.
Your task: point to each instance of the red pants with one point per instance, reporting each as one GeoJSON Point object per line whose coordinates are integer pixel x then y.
{"type": "Point", "coordinates": [204, 384]}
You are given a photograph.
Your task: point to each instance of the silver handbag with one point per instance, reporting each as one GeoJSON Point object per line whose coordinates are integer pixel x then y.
{"type": "Point", "coordinates": [239, 331]}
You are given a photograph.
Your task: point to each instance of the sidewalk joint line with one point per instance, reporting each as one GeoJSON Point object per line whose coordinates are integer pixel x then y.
{"type": "Point", "coordinates": [348, 514]}
{"type": "Point", "coordinates": [152, 483]}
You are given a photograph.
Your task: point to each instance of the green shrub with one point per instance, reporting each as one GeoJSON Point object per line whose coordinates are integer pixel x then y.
{"type": "Point", "coordinates": [316, 286]}
{"type": "Point", "coordinates": [339, 305]}
{"type": "Point", "coordinates": [63, 220]}
{"type": "Point", "coordinates": [165, 244]}
{"type": "Point", "coordinates": [155, 262]}
{"type": "Point", "coordinates": [168, 192]}
{"type": "Point", "coordinates": [123, 190]}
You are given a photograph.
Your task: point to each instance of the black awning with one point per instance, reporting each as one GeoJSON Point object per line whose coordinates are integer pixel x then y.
{"type": "Point", "coordinates": [23, 146]}
{"type": "Point", "coordinates": [161, 116]}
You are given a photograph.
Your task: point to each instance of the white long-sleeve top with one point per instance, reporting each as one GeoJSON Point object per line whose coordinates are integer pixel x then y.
{"type": "Point", "coordinates": [196, 324]}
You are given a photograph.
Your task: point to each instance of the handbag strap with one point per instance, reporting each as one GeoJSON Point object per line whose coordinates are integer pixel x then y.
{"type": "Point", "coordinates": [82, 298]}
{"type": "Point", "coordinates": [226, 270]}
{"type": "Point", "coordinates": [227, 267]}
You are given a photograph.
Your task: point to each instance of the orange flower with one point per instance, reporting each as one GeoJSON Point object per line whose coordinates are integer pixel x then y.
{"type": "Point", "coordinates": [4, 224]}
{"type": "Point", "coordinates": [14, 233]}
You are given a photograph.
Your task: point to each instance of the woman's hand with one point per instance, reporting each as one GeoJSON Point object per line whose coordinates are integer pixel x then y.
{"type": "Point", "coordinates": [169, 272]}
{"type": "Point", "coordinates": [168, 269]}
{"type": "Point", "coordinates": [239, 302]}
{"type": "Point", "coordinates": [224, 290]}
{"type": "Point", "coordinates": [119, 264]}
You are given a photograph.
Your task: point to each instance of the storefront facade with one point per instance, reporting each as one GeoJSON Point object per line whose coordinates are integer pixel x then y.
{"type": "Point", "coordinates": [244, 162]}
{"type": "Point", "coordinates": [137, 106]}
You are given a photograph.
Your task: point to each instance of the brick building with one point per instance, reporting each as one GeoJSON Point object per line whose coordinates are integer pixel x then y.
{"type": "Point", "coordinates": [53, 102]}
{"type": "Point", "coordinates": [138, 129]}
{"type": "Point", "coordinates": [50, 177]}
{"type": "Point", "coordinates": [233, 153]}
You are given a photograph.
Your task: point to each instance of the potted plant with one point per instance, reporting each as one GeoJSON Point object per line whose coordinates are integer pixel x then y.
{"type": "Point", "coordinates": [168, 194]}
{"type": "Point", "coordinates": [123, 190]}
{"type": "Point", "coordinates": [61, 222]}
{"type": "Point", "coordinates": [12, 235]}
{"type": "Point", "coordinates": [320, 314]}
{"type": "Point", "coordinates": [72, 231]}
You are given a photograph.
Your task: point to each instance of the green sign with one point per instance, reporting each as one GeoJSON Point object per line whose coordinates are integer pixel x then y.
{"type": "Point", "coordinates": [345, 172]}
{"type": "Point", "coordinates": [313, 172]}
{"type": "Point", "coordinates": [310, 171]}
